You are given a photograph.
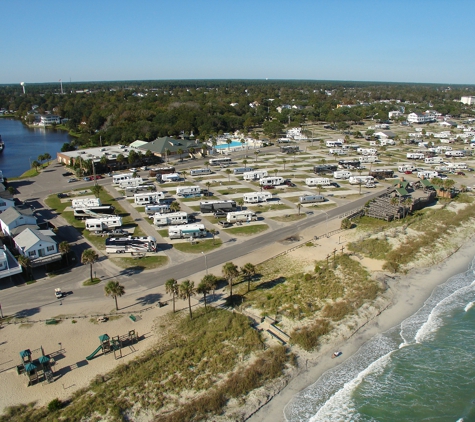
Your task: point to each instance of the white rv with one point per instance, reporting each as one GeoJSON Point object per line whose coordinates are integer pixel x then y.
{"type": "Point", "coordinates": [233, 217]}
{"type": "Point", "coordinates": [169, 219]}
{"type": "Point", "coordinates": [309, 199]}
{"type": "Point", "coordinates": [456, 153]}
{"type": "Point", "coordinates": [272, 181]}
{"type": "Point", "coordinates": [103, 223]}
{"type": "Point", "coordinates": [368, 159]}
{"type": "Point", "coordinates": [157, 208]}
{"type": "Point", "coordinates": [337, 151]}
{"type": "Point", "coordinates": [427, 174]}
{"type": "Point", "coordinates": [86, 202]}
{"type": "Point", "coordinates": [130, 182]}
{"type": "Point", "coordinates": [333, 144]}
{"type": "Point", "coordinates": [415, 156]}
{"type": "Point", "coordinates": [187, 230]}
{"type": "Point", "coordinates": [406, 167]}
{"type": "Point", "coordinates": [199, 172]}
{"type": "Point", "coordinates": [361, 180]}
{"type": "Point", "coordinates": [457, 166]}
{"type": "Point", "coordinates": [315, 181]}
{"type": "Point", "coordinates": [433, 160]}
{"type": "Point", "coordinates": [188, 191]}
{"type": "Point", "coordinates": [341, 174]}
{"type": "Point", "coordinates": [148, 198]}
{"type": "Point", "coordinates": [255, 175]}
{"type": "Point", "coordinates": [171, 177]}
{"type": "Point", "coordinates": [255, 197]}
{"type": "Point", "coordinates": [117, 178]}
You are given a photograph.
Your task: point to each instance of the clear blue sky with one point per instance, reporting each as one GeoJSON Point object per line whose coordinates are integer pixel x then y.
{"type": "Point", "coordinates": [361, 40]}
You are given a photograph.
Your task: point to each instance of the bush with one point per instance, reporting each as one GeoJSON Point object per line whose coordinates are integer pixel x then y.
{"type": "Point", "coordinates": [346, 224]}
{"type": "Point", "coordinates": [55, 405]}
{"type": "Point", "coordinates": [307, 337]}
{"type": "Point", "coordinates": [338, 310]}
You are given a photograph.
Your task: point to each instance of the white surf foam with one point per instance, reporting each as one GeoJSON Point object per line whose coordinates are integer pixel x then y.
{"type": "Point", "coordinates": [469, 306]}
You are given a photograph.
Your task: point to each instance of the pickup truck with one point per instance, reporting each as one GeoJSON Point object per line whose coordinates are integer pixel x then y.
{"type": "Point", "coordinates": [58, 293]}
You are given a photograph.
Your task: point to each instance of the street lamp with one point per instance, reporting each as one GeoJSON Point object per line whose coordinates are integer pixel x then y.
{"type": "Point", "coordinates": [206, 262]}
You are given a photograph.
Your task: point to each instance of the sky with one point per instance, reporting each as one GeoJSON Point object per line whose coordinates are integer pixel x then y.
{"type": "Point", "coordinates": [357, 40]}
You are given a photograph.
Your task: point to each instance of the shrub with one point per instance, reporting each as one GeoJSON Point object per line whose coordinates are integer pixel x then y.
{"type": "Point", "coordinates": [338, 310]}
{"type": "Point", "coordinates": [346, 224]}
{"type": "Point", "coordinates": [55, 405]}
{"type": "Point", "coordinates": [307, 337]}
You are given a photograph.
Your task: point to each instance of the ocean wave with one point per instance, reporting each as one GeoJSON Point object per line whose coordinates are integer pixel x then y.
{"type": "Point", "coordinates": [329, 398]}
{"type": "Point", "coordinates": [469, 306]}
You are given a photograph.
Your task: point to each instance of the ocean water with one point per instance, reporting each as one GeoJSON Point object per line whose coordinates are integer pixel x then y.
{"type": "Point", "coordinates": [420, 370]}
{"type": "Point", "coordinates": [23, 145]}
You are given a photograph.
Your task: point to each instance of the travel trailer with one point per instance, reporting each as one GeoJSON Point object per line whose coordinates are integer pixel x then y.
{"type": "Point", "coordinates": [309, 199]}
{"type": "Point", "coordinates": [187, 230]}
{"type": "Point", "coordinates": [241, 216]}
{"type": "Point", "coordinates": [256, 197]}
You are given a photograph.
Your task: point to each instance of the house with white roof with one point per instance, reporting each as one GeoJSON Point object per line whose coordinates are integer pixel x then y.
{"type": "Point", "coordinates": [39, 247]}
{"type": "Point", "coordinates": [420, 117]}
{"type": "Point", "coordinates": [14, 220]}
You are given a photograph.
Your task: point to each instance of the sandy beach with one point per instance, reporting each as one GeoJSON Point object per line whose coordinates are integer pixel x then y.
{"type": "Point", "coordinates": [407, 294]}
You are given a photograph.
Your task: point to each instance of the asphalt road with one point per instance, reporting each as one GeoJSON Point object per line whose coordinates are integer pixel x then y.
{"type": "Point", "coordinates": [30, 299]}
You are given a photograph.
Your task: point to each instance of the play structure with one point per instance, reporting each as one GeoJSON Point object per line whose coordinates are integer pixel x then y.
{"type": "Point", "coordinates": [36, 369]}
{"type": "Point", "coordinates": [115, 344]}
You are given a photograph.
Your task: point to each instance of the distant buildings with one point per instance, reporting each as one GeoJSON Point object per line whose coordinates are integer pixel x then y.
{"type": "Point", "coordinates": [421, 117]}
{"type": "Point", "coordinates": [468, 100]}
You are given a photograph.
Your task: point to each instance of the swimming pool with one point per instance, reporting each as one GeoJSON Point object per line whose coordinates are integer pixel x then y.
{"type": "Point", "coordinates": [233, 144]}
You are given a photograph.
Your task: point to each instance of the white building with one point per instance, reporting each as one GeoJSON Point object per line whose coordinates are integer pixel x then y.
{"type": "Point", "coordinates": [14, 220]}
{"type": "Point", "coordinates": [37, 246]}
{"type": "Point", "coordinates": [420, 118]}
{"type": "Point", "coordinates": [50, 119]}
{"type": "Point", "coordinates": [468, 100]}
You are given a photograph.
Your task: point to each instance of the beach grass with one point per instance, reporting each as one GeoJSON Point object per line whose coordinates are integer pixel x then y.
{"type": "Point", "coordinates": [247, 230]}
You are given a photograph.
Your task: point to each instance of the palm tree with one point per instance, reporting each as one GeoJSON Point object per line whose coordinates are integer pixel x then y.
{"type": "Point", "coordinates": [319, 188]}
{"type": "Point", "coordinates": [64, 248]}
{"type": "Point", "coordinates": [284, 162]}
{"type": "Point", "coordinates": [171, 287]}
{"type": "Point", "coordinates": [240, 202]}
{"type": "Point", "coordinates": [204, 288]}
{"type": "Point", "coordinates": [299, 206]}
{"type": "Point", "coordinates": [276, 171]}
{"type": "Point", "coordinates": [41, 158]}
{"type": "Point", "coordinates": [192, 151]}
{"type": "Point", "coordinates": [213, 233]}
{"type": "Point", "coordinates": [228, 172]}
{"type": "Point", "coordinates": [230, 272]}
{"type": "Point", "coordinates": [180, 153]}
{"type": "Point", "coordinates": [46, 156]}
{"type": "Point", "coordinates": [244, 162]}
{"type": "Point", "coordinates": [89, 256]}
{"type": "Point", "coordinates": [208, 184]}
{"type": "Point", "coordinates": [25, 262]}
{"type": "Point", "coordinates": [207, 164]}
{"type": "Point", "coordinates": [184, 173]}
{"type": "Point", "coordinates": [228, 141]}
{"type": "Point", "coordinates": [186, 290]}
{"type": "Point", "coordinates": [167, 154]}
{"type": "Point", "coordinates": [35, 165]}
{"type": "Point", "coordinates": [256, 153]}
{"type": "Point", "coordinates": [114, 289]}
{"type": "Point", "coordinates": [249, 271]}
{"type": "Point", "coordinates": [175, 206]}
{"type": "Point", "coordinates": [96, 190]}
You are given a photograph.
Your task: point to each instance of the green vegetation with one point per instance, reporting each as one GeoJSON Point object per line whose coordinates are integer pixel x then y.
{"type": "Point", "coordinates": [208, 355]}
{"type": "Point", "coordinates": [142, 262]}
{"type": "Point", "coordinates": [198, 246]}
{"type": "Point", "coordinates": [289, 217]}
{"type": "Point", "coordinates": [92, 282]}
{"type": "Point", "coordinates": [269, 207]}
{"type": "Point", "coordinates": [247, 230]}
{"type": "Point", "coordinates": [372, 248]}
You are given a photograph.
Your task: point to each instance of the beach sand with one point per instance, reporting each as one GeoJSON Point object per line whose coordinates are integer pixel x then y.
{"type": "Point", "coordinates": [407, 293]}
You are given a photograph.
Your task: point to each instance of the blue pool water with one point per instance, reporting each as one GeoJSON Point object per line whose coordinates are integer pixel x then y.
{"type": "Point", "coordinates": [233, 144]}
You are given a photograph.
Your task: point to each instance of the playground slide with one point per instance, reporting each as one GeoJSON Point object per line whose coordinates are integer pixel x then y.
{"type": "Point", "coordinates": [94, 353]}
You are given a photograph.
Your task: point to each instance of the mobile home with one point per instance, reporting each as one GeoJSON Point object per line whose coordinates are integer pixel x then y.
{"type": "Point", "coordinates": [233, 217]}
{"type": "Point", "coordinates": [256, 197]}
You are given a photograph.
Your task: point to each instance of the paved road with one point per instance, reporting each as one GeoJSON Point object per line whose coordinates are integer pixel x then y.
{"type": "Point", "coordinates": [31, 298]}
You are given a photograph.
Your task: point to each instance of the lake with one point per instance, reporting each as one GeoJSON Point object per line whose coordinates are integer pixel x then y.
{"type": "Point", "coordinates": [23, 145]}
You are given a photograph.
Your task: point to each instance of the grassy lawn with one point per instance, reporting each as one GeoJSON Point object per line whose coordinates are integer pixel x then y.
{"type": "Point", "coordinates": [288, 218]}
{"type": "Point", "coordinates": [199, 246]}
{"type": "Point", "coordinates": [269, 207]}
{"type": "Point", "coordinates": [94, 281]}
{"type": "Point", "coordinates": [163, 232]}
{"type": "Point", "coordinates": [248, 230]}
{"type": "Point", "coordinates": [142, 263]}
{"type": "Point", "coordinates": [29, 173]}
{"type": "Point", "coordinates": [194, 199]}
{"type": "Point", "coordinates": [233, 191]}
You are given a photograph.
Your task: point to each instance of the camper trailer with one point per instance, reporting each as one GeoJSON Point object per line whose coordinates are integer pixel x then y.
{"type": "Point", "coordinates": [199, 172]}
{"type": "Point", "coordinates": [137, 181]}
{"type": "Point", "coordinates": [157, 208]}
{"type": "Point", "coordinates": [433, 160]}
{"type": "Point", "coordinates": [184, 191]}
{"type": "Point", "coordinates": [241, 216]}
{"type": "Point", "coordinates": [242, 170]}
{"type": "Point", "coordinates": [415, 156]}
{"type": "Point", "coordinates": [341, 174]}
{"type": "Point", "coordinates": [427, 174]}
{"type": "Point", "coordinates": [170, 177]}
{"type": "Point", "coordinates": [368, 159]}
{"type": "Point", "coordinates": [309, 199]}
{"type": "Point", "coordinates": [315, 181]}
{"type": "Point", "coordinates": [103, 223]}
{"type": "Point", "coordinates": [406, 167]}
{"type": "Point", "coordinates": [213, 206]}
{"type": "Point", "coordinates": [148, 198]}
{"type": "Point", "coordinates": [271, 181]}
{"type": "Point", "coordinates": [117, 178]}
{"type": "Point", "coordinates": [256, 197]}
{"type": "Point", "coordinates": [361, 180]}
{"type": "Point", "coordinates": [86, 202]}
{"type": "Point", "coordinates": [255, 175]}
{"type": "Point", "coordinates": [187, 230]}
{"type": "Point", "coordinates": [171, 218]}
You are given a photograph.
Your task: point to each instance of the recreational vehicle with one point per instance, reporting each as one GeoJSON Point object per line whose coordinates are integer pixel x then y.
{"type": "Point", "coordinates": [157, 208]}
{"type": "Point", "coordinates": [456, 166]}
{"type": "Point", "coordinates": [415, 155]}
{"type": "Point", "coordinates": [184, 191]}
{"type": "Point", "coordinates": [333, 144]}
{"type": "Point", "coordinates": [456, 153]}
{"type": "Point", "coordinates": [325, 168]}
{"type": "Point", "coordinates": [213, 206]}
{"type": "Point", "coordinates": [131, 244]}
{"type": "Point", "coordinates": [341, 174]}
{"type": "Point", "coordinates": [406, 167]}
{"type": "Point", "coordinates": [361, 180]}
{"type": "Point", "coordinates": [255, 175]}
{"type": "Point", "coordinates": [256, 197]}
{"type": "Point", "coordinates": [233, 217]}
{"type": "Point", "coordinates": [241, 170]}
{"type": "Point", "coordinates": [169, 219]}
{"type": "Point", "coordinates": [137, 181]}
{"type": "Point", "coordinates": [199, 172]}
{"type": "Point", "coordinates": [148, 198]}
{"type": "Point", "coordinates": [381, 174]}
{"type": "Point", "coordinates": [86, 202]}
{"type": "Point", "coordinates": [271, 181]}
{"type": "Point", "coordinates": [315, 181]}
{"type": "Point", "coordinates": [117, 178]}
{"type": "Point", "coordinates": [427, 174]}
{"type": "Point", "coordinates": [161, 170]}
{"type": "Point", "coordinates": [187, 230]}
{"type": "Point", "coordinates": [103, 223]}
{"type": "Point", "coordinates": [88, 212]}
{"type": "Point", "coordinates": [433, 160]}
{"type": "Point", "coordinates": [309, 199]}
{"type": "Point", "coordinates": [170, 177]}
{"type": "Point", "coordinates": [368, 159]}
{"type": "Point", "coordinates": [219, 161]}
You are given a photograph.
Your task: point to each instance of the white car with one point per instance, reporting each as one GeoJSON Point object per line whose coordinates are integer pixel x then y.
{"type": "Point", "coordinates": [370, 185]}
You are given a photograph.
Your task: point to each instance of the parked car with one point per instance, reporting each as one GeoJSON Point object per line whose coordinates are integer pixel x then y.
{"type": "Point", "coordinates": [62, 195]}
{"type": "Point", "coordinates": [224, 223]}
{"type": "Point", "coordinates": [408, 172]}
{"type": "Point", "coordinates": [87, 179]}
{"type": "Point", "coordinates": [68, 173]}
{"type": "Point", "coordinates": [460, 173]}
{"type": "Point", "coordinates": [133, 169]}
{"type": "Point", "coordinates": [72, 180]}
